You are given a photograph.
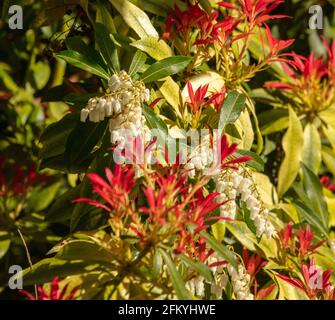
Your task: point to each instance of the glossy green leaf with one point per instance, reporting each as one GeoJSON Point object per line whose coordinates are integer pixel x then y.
{"type": "Point", "coordinates": [311, 217]}
{"type": "Point", "coordinates": [256, 162]}
{"type": "Point", "coordinates": [81, 61]}
{"type": "Point", "coordinates": [231, 109]}
{"type": "Point", "coordinates": [220, 249]}
{"type": "Point", "coordinates": [312, 148]}
{"type": "Point", "coordinates": [241, 231]}
{"type": "Point", "coordinates": [107, 47]}
{"type": "Point", "coordinates": [45, 270]}
{"type": "Point", "coordinates": [104, 16]}
{"type": "Point", "coordinates": [328, 157]}
{"type": "Point", "coordinates": [199, 267]}
{"type": "Point", "coordinates": [137, 63]}
{"type": "Point", "coordinates": [153, 121]}
{"type": "Point", "coordinates": [155, 48]}
{"type": "Point", "coordinates": [82, 249]}
{"type": "Point", "coordinates": [176, 279]}
{"type": "Point", "coordinates": [135, 18]}
{"type": "Point", "coordinates": [170, 91]}
{"type": "Point", "coordinates": [293, 142]}
{"type": "Point", "coordinates": [81, 142]}
{"type": "Point", "coordinates": [313, 189]}
{"type": "Point", "coordinates": [165, 68]}
{"type": "Point", "coordinates": [62, 208]}
{"type": "Point", "coordinates": [55, 136]}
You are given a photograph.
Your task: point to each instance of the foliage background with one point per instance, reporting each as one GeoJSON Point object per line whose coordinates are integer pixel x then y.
{"type": "Point", "coordinates": [37, 90]}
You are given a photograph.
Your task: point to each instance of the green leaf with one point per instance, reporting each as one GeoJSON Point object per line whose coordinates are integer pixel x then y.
{"type": "Point", "coordinates": [247, 219]}
{"type": "Point", "coordinates": [84, 62]}
{"type": "Point", "coordinates": [39, 75]}
{"type": "Point", "coordinates": [153, 121]}
{"type": "Point", "coordinates": [219, 248]}
{"type": "Point", "coordinates": [104, 17]}
{"type": "Point", "coordinates": [206, 5]}
{"type": "Point", "coordinates": [330, 134]}
{"type": "Point", "coordinates": [165, 68]}
{"type": "Point", "coordinates": [4, 243]}
{"type": "Point", "coordinates": [83, 249]}
{"type": "Point", "coordinates": [107, 47]}
{"type": "Point", "coordinates": [242, 233]}
{"type": "Point", "coordinates": [231, 109]}
{"type": "Point", "coordinates": [62, 208]}
{"type": "Point", "coordinates": [155, 48]}
{"type": "Point", "coordinates": [256, 162]}
{"type": "Point", "coordinates": [311, 217]}
{"type": "Point", "coordinates": [293, 142]}
{"type": "Point", "coordinates": [81, 142]}
{"type": "Point", "coordinates": [313, 189]}
{"type": "Point", "coordinates": [288, 291]}
{"type": "Point", "coordinates": [275, 126]}
{"type": "Point", "coordinates": [328, 116]}
{"type": "Point", "coordinates": [45, 270]}
{"type": "Point", "coordinates": [170, 90]}
{"type": "Point", "coordinates": [55, 136]}
{"type": "Point", "coordinates": [137, 63]}
{"type": "Point", "coordinates": [42, 196]}
{"type": "Point", "coordinates": [328, 157]}
{"type": "Point", "coordinates": [312, 148]}
{"type": "Point", "coordinates": [135, 18]}
{"type": "Point", "coordinates": [176, 279]}
{"type": "Point", "coordinates": [199, 267]}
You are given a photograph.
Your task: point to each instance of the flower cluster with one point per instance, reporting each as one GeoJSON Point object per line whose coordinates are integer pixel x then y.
{"type": "Point", "coordinates": [234, 184]}
{"type": "Point", "coordinates": [122, 105]}
{"type": "Point", "coordinates": [315, 284]}
{"type": "Point", "coordinates": [220, 278]}
{"type": "Point", "coordinates": [300, 244]}
{"type": "Point", "coordinates": [240, 282]}
{"type": "Point", "coordinates": [54, 294]}
{"type": "Point", "coordinates": [22, 180]}
{"type": "Point", "coordinates": [197, 31]}
{"type": "Point", "coordinates": [172, 205]}
{"type": "Point", "coordinates": [310, 83]}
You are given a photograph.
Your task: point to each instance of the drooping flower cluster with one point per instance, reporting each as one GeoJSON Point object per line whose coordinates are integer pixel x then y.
{"type": "Point", "coordinates": [240, 282]}
{"type": "Point", "coordinates": [214, 154]}
{"type": "Point", "coordinates": [239, 184]}
{"type": "Point", "coordinates": [197, 284]}
{"type": "Point", "coordinates": [122, 105]}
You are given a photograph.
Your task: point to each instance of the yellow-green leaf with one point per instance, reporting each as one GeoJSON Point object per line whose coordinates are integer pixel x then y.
{"type": "Point", "coordinates": [328, 157]}
{"type": "Point", "coordinates": [330, 134]}
{"type": "Point", "coordinates": [157, 49]}
{"type": "Point", "coordinates": [135, 18]}
{"type": "Point", "coordinates": [328, 116]}
{"type": "Point", "coordinates": [293, 142]}
{"type": "Point", "coordinates": [170, 91]}
{"type": "Point", "coordinates": [312, 148]}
